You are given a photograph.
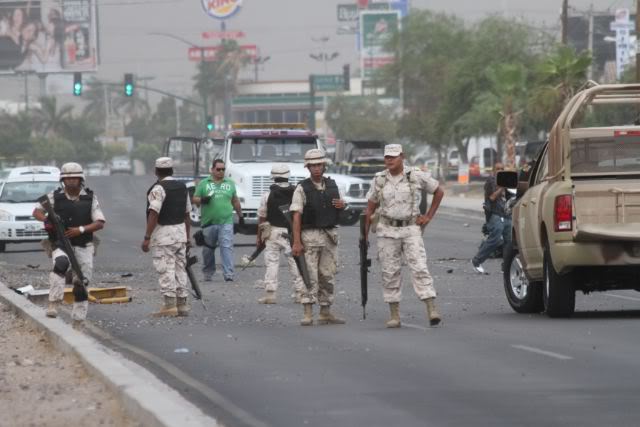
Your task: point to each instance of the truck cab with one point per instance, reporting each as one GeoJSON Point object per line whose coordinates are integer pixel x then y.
{"type": "Point", "coordinates": [250, 150]}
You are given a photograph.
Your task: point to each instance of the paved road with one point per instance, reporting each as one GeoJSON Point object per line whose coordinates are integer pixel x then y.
{"type": "Point", "coordinates": [251, 364]}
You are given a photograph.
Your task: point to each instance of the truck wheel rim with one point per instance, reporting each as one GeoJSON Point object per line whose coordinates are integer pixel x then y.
{"type": "Point", "coordinates": [518, 280]}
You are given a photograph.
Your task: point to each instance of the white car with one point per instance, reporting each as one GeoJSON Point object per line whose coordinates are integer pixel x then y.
{"type": "Point", "coordinates": [121, 164]}
{"type": "Point", "coordinates": [18, 196]}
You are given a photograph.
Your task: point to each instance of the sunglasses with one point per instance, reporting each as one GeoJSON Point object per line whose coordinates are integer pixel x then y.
{"type": "Point", "coordinates": [220, 169]}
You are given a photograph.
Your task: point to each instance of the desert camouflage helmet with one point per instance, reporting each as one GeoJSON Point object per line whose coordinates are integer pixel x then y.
{"type": "Point", "coordinates": [280, 170]}
{"type": "Point", "coordinates": [71, 170]}
{"type": "Point", "coordinates": [314, 156]}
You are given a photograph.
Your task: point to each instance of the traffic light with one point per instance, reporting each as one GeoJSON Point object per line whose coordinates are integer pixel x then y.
{"type": "Point", "coordinates": [77, 84]}
{"type": "Point", "coordinates": [128, 84]}
{"type": "Point", "coordinates": [346, 77]}
{"type": "Point", "coordinates": [210, 125]}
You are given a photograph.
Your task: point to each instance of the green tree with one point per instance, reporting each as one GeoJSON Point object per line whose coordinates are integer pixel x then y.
{"type": "Point", "coordinates": [97, 97]}
{"type": "Point", "coordinates": [45, 149]}
{"type": "Point", "coordinates": [15, 136]}
{"type": "Point", "coordinates": [52, 120]}
{"type": "Point", "coordinates": [559, 76]}
{"type": "Point", "coordinates": [353, 118]}
{"type": "Point", "coordinates": [147, 153]}
{"type": "Point", "coordinates": [83, 136]}
{"type": "Point", "coordinates": [218, 79]}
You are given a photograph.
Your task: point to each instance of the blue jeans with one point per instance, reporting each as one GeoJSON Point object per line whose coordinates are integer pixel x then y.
{"type": "Point", "coordinates": [218, 235]}
{"type": "Point", "coordinates": [499, 233]}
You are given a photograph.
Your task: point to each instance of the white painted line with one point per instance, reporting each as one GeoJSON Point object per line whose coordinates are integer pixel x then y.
{"type": "Point", "coordinates": [542, 352]}
{"type": "Point", "coordinates": [622, 297]}
{"type": "Point", "coordinates": [411, 326]}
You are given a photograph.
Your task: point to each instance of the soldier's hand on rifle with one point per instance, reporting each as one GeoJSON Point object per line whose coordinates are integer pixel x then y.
{"type": "Point", "coordinates": [423, 220]}
{"type": "Point", "coordinates": [49, 228]}
{"type": "Point", "coordinates": [338, 203]}
{"type": "Point", "coordinates": [72, 232]}
{"type": "Point", "coordinates": [297, 249]}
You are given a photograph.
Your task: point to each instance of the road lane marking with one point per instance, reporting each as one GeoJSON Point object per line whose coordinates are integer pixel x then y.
{"type": "Point", "coordinates": [623, 297]}
{"type": "Point", "coordinates": [412, 326]}
{"type": "Point", "coordinates": [542, 352]}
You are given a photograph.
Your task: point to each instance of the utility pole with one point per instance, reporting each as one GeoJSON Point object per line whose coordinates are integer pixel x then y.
{"type": "Point", "coordinates": [565, 21]}
{"type": "Point", "coordinates": [590, 42]}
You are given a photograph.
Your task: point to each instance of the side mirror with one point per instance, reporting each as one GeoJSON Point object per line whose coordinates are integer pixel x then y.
{"type": "Point", "coordinates": [507, 179]}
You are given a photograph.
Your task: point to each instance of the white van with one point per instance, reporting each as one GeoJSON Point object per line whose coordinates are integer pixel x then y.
{"type": "Point", "coordinates": [18, 196]}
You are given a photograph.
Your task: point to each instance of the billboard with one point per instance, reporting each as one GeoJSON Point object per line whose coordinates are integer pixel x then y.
{"type": "Point", "coordinates": [48, 36]}
{"type": "Point", "coordinates": [376, 28]}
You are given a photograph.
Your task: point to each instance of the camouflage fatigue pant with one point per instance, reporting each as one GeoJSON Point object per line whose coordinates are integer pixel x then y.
{"type": "Point", "coordinates": [391, 246]}
{"type": "Point", "coordinates": [170, 262]}
{"type": "Point", "coordinates": [57, 282]}
{"type": "Point", "coordinates": [320, 253]}
{"type": "Point", "coordinates": [275, 245]}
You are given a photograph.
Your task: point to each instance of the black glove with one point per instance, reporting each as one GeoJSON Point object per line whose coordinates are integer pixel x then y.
{"type": "Point", "coordinates": [205, 199]}
{"type": "Point", "coordinates": [241, 221]}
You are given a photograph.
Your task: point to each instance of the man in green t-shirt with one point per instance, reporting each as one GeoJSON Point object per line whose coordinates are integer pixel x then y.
{"type": "Point", "coordinates": [216, 196]}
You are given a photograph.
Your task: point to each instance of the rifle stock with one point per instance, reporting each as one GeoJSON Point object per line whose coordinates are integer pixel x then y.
{"type": "Point", "coordinates": [365, 263]}
{"type": "Point", "coordinates": [300, 261]}
{"type": "Point", "coordinates": [80, 286]}
{"type": "Point", "coordinates": [197, 293]}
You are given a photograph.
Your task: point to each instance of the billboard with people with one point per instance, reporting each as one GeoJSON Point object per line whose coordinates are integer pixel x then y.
{"type": "Point", "coordinates": [48, 36]}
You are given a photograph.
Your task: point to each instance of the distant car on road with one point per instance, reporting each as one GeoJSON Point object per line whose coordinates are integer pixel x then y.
{"type": "Point", "coordinates": [18, 195]}
{"type": "Point", "coordinates": [121, 164]}
{"type": "Point", "coordinates": [97, 169]}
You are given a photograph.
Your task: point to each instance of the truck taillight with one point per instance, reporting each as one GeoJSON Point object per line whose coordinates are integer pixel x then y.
{"type": "Point", "coordinates": [563, 213]}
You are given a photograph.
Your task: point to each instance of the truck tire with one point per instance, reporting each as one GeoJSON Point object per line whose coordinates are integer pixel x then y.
{"type": "Point", "coordinates": [558, 290]}
{"type": "Point", "coordinates": [523, 296]}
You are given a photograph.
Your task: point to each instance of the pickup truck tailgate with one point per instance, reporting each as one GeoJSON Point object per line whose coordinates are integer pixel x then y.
{"type": "Point", "coordinates": [607, 210]}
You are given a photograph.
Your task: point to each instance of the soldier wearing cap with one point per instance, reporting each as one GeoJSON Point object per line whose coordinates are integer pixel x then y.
{"type": "Point", "coordinates": [272, 230]}
{"type": "Point", "coordinates": [81, 216]}
{"type": "Point", "coordinates": [167, 235]}
{"type": "Point", "coordinates": [315, 205]}
{"type": "Point", "coordinates": [393, 195]}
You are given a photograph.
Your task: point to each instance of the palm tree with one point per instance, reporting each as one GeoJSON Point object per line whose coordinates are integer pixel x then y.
{"type": "Point", "coordinates": [52, 120]}
{"type": "Point", "coordinates": [560, 75]}
{"type": "Point", "coordinates": [131, 107]}
{"type": "Point", "coordinates": [217, 80]}
{"type": "Point", "coordinates": [98, 97]}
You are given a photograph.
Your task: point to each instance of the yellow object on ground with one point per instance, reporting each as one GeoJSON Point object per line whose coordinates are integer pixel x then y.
{"type": "Point", "coordinates": [115, 295]}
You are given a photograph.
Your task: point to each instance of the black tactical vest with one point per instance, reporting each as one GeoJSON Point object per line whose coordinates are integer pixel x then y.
{"type": "Point", "coordinates": [174, 205]}
{"type": "Point", "coordinates": [318, 211]}
{"type": "Point", "coordinates": [278, 196]}
{"type": "Point", "coordinates": [74, 213]}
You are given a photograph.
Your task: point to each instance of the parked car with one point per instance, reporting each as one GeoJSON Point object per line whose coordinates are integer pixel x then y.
{"type": "Point", "coordinates": [18, 195]}
{"type": "Point", "coordinates": [96, 169]}
{"type": "Point", "coordinates": [121, 164]}
{"type": "Point", "coordinates": [453, 161]}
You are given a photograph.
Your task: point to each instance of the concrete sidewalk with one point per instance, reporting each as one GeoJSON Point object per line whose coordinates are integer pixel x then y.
{"type": "Point", "coordinates": [142, 395]}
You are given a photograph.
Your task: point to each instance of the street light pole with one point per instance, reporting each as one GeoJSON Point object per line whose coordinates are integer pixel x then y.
{"type": "Point", "coordinates": [203, 92]}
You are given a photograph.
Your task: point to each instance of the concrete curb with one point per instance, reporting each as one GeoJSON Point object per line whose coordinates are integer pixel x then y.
{"type": "Point", "coordinates": [143, 396]}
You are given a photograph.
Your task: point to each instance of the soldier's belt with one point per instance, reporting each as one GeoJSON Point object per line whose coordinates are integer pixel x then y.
{"type": "Point", "coordinates": [397, 222]}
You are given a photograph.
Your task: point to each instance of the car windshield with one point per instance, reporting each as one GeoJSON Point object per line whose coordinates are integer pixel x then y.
{"type": "Point", "coordinates": [605, 155]}
{"type": "Point", "coordinates": [26, 192]}
{"type": "Point", "coordinates": [287, 150]}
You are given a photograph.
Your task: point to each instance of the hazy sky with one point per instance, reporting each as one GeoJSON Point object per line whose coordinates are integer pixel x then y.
{"type": "Point", "coordinates": [282, 29]}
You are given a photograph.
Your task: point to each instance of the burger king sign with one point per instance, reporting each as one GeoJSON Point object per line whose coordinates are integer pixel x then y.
{"type": "Point", "coordinates": [221, 9]}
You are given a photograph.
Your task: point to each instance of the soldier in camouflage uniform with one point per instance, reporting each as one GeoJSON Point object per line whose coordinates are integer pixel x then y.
{"type": "Point", "coordinates": [316, 204]}
{"type": "Point", "coordinates": [394, 194]}
{"type": "Point", "coordinates": [81, 215]}
{"type": "Point", "coordinates": [272, 231]}
{"type": "Point", "coordinates": [167, 234]}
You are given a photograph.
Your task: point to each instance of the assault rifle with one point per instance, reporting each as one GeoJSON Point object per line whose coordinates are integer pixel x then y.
{"type": "Point", "coordinates": [253, 256]}
{"type": "Point", "coordinates": [197, 293]}
{"type": "Point", "coordinates": [365, 263]}
{"type": "Point", "coordinates": [301, 263]}
{"type": "Point", "coordinates": [80, 286]}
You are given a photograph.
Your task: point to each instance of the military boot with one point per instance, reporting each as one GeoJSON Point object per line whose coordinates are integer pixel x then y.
{"type": "Point", "coordinates": [52, 309]}
{"type": "Point", "coordinates": [307, 320]}
{"type": "Point", "coordinates": [269, 298]}
{"type": "Point", "coordinates": [169, 309]}
{"type": "Point", "coordinates": [183, 307]}
{"type": "Point", "coordinates": [326, 318]}
{"type": "Point", "coordinates": [432, 312]}
{"type": "Point", "coordinates": [394, 321]}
